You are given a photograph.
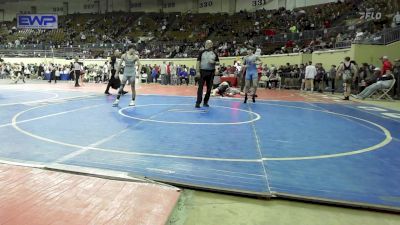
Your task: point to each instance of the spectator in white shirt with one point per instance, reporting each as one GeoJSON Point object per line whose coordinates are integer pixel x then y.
{"type": "Point", "coordinates": [311, 71]}
{"type": "Point", "coordinates": [396, 19]}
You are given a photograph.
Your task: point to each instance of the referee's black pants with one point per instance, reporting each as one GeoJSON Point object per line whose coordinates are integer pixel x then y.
{"type": "Point", "coordinates": [110, 81]}
{"type": "Point", "coordinates": [206, 76]}
{"type": "Point", "coordinates": [77, 74]}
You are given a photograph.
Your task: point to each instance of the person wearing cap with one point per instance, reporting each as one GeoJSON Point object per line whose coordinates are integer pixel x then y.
{"type": "Point", "coordinates": [131, 60]}
{"type": "Point", "coordinates": [250, 62]}
{"type": "Point", "coordinates": [349, 72]}
{"type": "Point", "coordinates": [386, 64]}
{"type": "Point", "coordinates": [205, 71]}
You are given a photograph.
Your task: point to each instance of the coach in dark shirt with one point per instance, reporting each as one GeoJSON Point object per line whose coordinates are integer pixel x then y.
{"type": "Point", "coordinates": [206, 63]}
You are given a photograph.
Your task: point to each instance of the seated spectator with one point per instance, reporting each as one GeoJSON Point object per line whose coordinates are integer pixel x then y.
{"type": "Point", "coordinates": [383, 82]}
{"type": "Point", "coordinates": [183, 75]}
{"type": "Point", "coordinates": [274, 78]}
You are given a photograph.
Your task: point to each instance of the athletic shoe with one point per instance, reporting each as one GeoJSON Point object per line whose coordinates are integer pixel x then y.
{"type": "Point", "coordinates": [115, 104]}
{"type": "Point", "coordinates": [107, 93]}
{"type": "Point", "coordinates": [132, 103]}
{"type": "Point", "coordinates": [124, 92]}
{"type": "Point", "coordinates": [206, 105]}
{"type": "Point", "coordinates": [245, 99]}
{"type": "Point", "coordinates": [254, 98]}
{"type": "Point", "coordinates": [346, 98]}
{"type": "Point", "coordinates": [197, 106]}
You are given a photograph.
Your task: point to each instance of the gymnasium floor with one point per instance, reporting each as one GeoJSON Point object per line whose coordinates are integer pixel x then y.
{"type": "Point", "coordinates": [291, 144]}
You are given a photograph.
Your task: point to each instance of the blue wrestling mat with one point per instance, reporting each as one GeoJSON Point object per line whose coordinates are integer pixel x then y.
{"type": "Point", "coordinates": [339, 153]}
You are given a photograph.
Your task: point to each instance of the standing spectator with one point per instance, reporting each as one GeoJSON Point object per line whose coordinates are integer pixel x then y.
{"type": "Point", "coordinates": [302, 78]}
{"type": "Point", "coordinates": [332, 78]}
{"type": "Point", "coordinates": [163, 73]}
{"type": "Point", "coordinates": [169, 73]}
{"type": "Point", "coordinates": [154, 74]}
{"type": "Point", "coordinates": [148, 72]}
{"type": "Point", "coordinates": [320, 77]}
{"type": "Point", "coordinates": [173, 74]}
{"type": "Point", "coordinates": [58, 73]}
{"type": "Point", "coordinates": [310, 74]}
{"type": "Point", "coordinates": [396, 73]}
{"type": "Point", "coordinates": [205, 67]}
{"type": "Point", "coordinates": [348, 71]}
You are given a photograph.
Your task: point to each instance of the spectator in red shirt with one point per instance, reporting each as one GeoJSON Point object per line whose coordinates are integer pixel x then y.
{"type": "Point", "coordinates": [289, 44]}
{"type": "Point", "coordinates": [386, 64]}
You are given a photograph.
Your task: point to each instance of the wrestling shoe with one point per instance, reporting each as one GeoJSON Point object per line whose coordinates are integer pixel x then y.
{"type": "Point", "coordinates": [115, 103]}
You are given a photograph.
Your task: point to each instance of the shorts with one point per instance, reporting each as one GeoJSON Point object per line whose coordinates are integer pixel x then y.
{"type": "Point", "coordinates": [251, 76]}
{"type": "Point", "coordinates": [130, 79]}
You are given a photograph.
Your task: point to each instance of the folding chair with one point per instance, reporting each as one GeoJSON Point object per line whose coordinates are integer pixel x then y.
{"type": "Point", "coordinates": [263, 81]}
{"type": "Point", "coordinates": [143, 78]}
{"type": "Point", "coordinates": [383, 94]}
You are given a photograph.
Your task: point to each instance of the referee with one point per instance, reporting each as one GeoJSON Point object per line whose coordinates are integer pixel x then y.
{"type": "Point", "coordinates": [77, 69]}
{"type": "Point", "coordinates": [205, 67]}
